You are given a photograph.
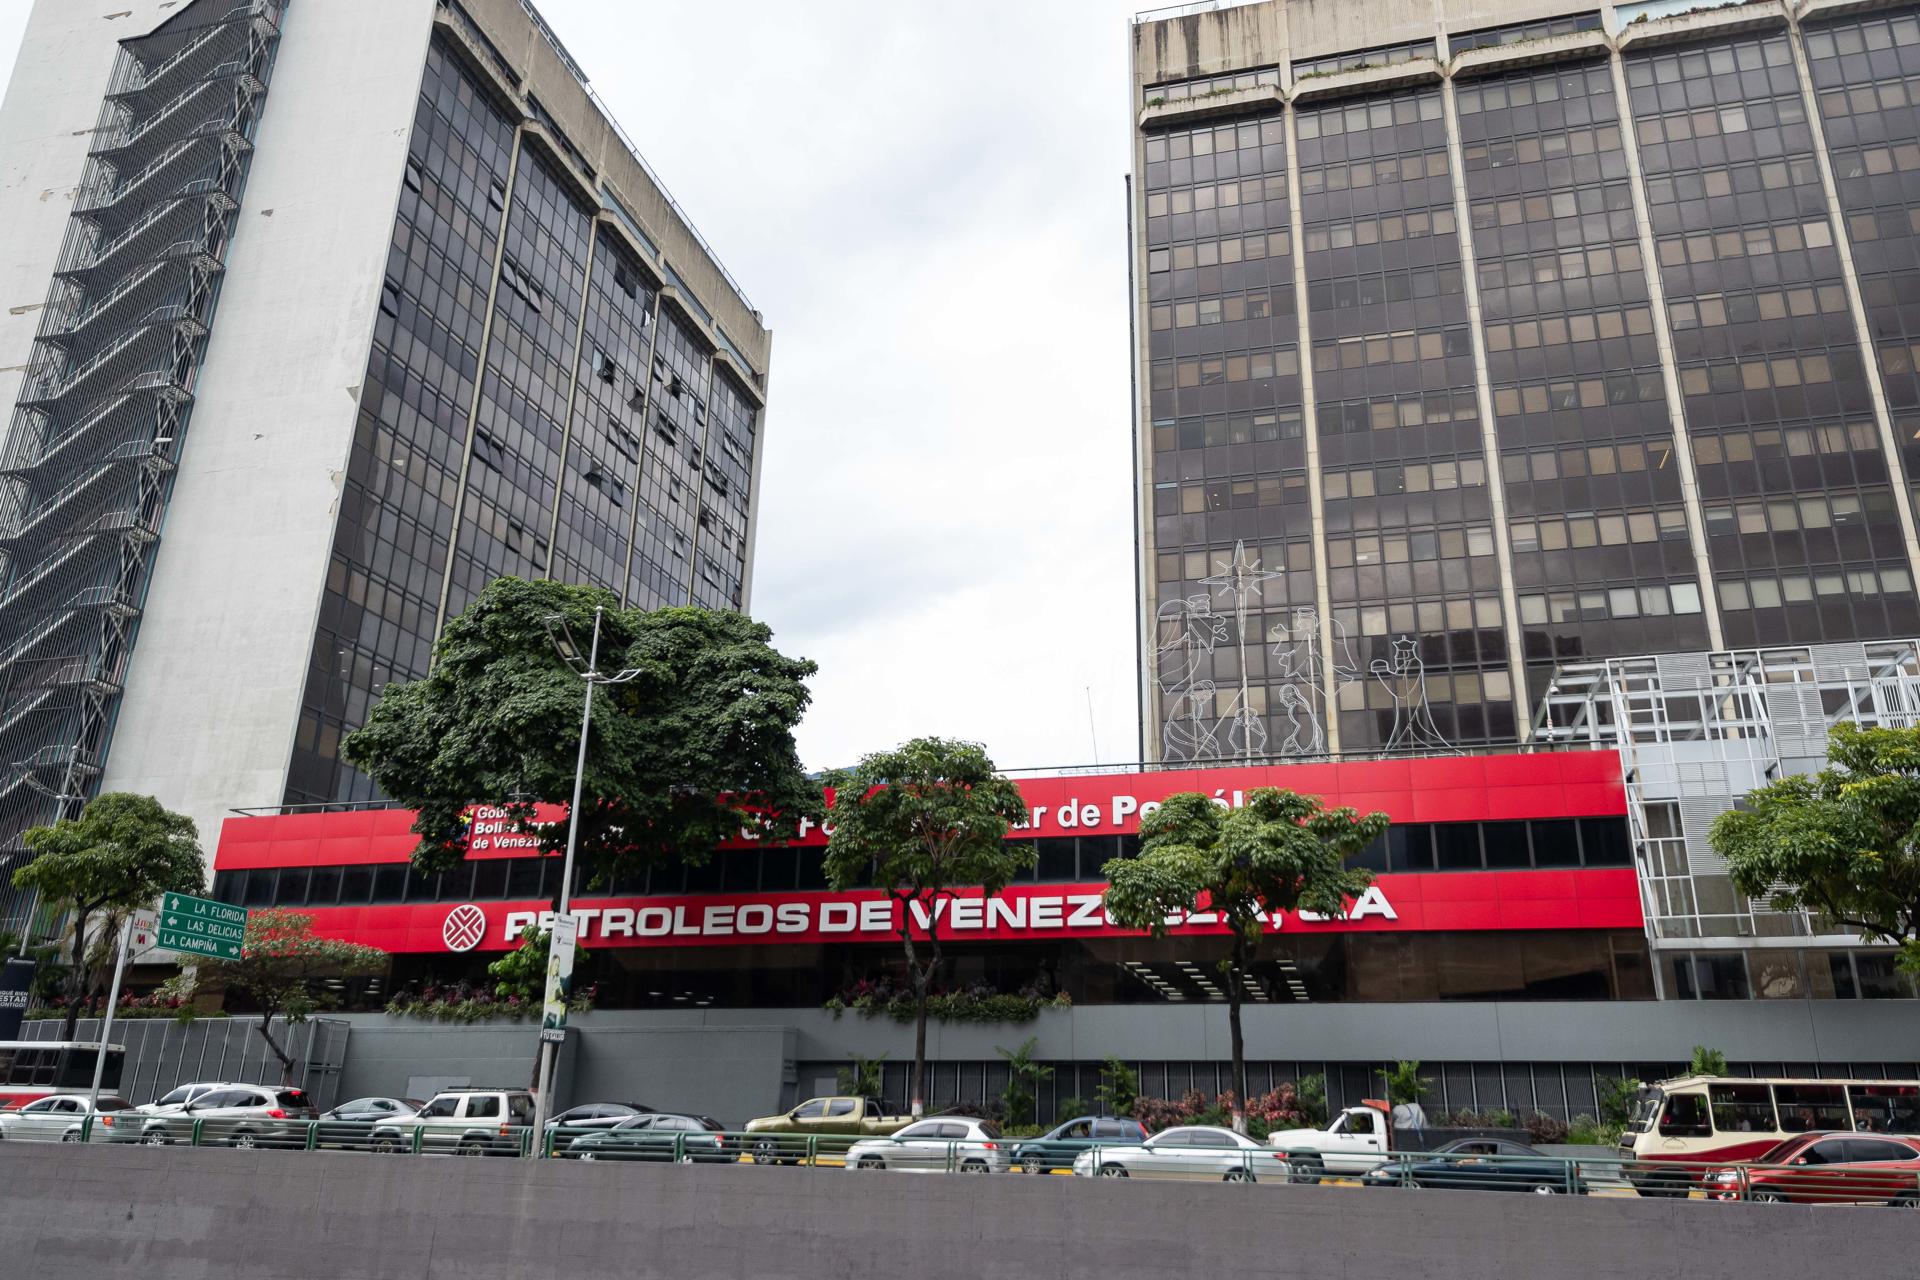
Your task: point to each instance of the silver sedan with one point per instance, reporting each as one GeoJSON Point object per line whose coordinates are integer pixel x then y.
{"type": "Point", "coordinates": [1197, 1151]}
{"type": "Point", "coordinates": [950, 1144]}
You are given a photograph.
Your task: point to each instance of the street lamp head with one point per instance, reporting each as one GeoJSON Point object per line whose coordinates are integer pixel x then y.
{"type": "Point", "coordinates": [562, 638]}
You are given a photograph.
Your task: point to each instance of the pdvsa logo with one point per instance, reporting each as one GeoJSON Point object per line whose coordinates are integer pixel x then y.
{"type": "Point", "coordinates": [465, 926]}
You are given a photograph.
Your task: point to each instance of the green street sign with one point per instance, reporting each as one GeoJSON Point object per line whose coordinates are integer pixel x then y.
{"type": "Point", "coordinates": [201, 926]}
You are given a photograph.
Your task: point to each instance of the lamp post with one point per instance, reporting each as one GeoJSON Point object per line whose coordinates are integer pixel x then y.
{"type": "Point", "coordinates": [590, 674]}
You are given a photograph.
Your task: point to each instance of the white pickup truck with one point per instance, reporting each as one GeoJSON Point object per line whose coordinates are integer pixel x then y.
{"type": "Point", "coordinates": [1359, 1138]}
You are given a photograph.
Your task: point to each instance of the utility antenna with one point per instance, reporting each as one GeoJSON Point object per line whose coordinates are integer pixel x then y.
{"type": "Point", "coordinates": [1092, 731]}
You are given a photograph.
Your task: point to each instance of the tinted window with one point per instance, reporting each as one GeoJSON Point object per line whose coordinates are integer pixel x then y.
{"type": "Point", "coordinates": [1080, 1129]}
{"type": "Point", "coordinates": [446, 1106]}
{"type": "Point", "coordinates": [1832, 1151]}
{"type": "Point", "coordinates": [1806, 1108]}
{"type": "Point", "coordinates": [1686, 1116]}
{"type": "Point", "coordinates": [954, 1131]}
{"type": "Point", "coordinates": [1864, 1149]}
{"type": "Point", "coordinates": [1458, 844]}
{"type": "Point", "coordinates": [989, 1128]}
{"type": "Point", "coordinates": [1605, 842]}
{"type": "Point", "coordinates": [809, 1110]}
{"type": "Point", "coordinates": [1742, 1108]}
{"type": "Point", "coordinates": [115, 1104]}
{"type": "Point", "coordinates": [482, 1105]}
{"type": "Point", "coordinates": [1556, 843]}
{"type": "Point", "coordinates": [520, 1108]}
{"type": "Point", "coordinates": [1179, 1139]}
{"type": "Point", "coordinates": [1886, 1108]}
{"type": "Point", "coordinates": [843, 1107]}
{"type": "Point", "coordinates": [291, 1098]}
{"type": "Point", "coordinates": [1506, 844]}
{"type": "Point", "coordinates": [1212, 1138]}
{"type": "Point", "coordinates": [177, 1097]}
{"type": "Point", "coordinates": [919, 1131]}
{"type": "Point", "coordinates": [635, 1122]}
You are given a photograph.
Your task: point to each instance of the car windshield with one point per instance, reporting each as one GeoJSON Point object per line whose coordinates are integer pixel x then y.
{"type": "Point", "coordinates": [177, 1097]}
{"type": "Point", "coordinates": [635, 1122]}
{"type": "Point", "coordinates": [1645, 1108]}
{"type": "Point", "coordinates": [989, 1128]}
{"type": "Point", "coordinates": [115, 1104]}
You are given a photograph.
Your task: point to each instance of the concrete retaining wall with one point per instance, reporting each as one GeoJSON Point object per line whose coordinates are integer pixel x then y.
{"type": "Point", "coordinates": [90, 1213]}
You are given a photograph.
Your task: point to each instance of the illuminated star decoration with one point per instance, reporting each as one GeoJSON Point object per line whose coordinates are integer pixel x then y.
{"type": "Point", "coordinates": [1243, 577]}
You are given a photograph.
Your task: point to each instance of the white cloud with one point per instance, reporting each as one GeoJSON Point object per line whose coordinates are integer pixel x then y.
{"type": "Point", "coordinates": [927, 203]}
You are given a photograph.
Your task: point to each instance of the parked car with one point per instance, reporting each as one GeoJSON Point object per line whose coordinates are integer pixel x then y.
{"type": "Point", "coordinates": [1827, 1168]}
{"type": "Point", "coordinates": [1196, 1151]}
{"type": "Point", "coordinates": [247, 1115]}
{"type": "Point", "coordinates": [61, 1117]}
{"type": "Point", "coordinates": [468, 1122]}
{"type": "Point", "coordinates": [351, 1123]}
{"type": "Point", "coordinates": [566, 1126]}
{"type": "Point", "coordinates": [656, 1136]}
{"type": "Point", "coordinates": [175, 1100]}
{"type": "Point", "coordinates": [782, 1139]}
{"type": "Point", "coordinates": [1057, 1149]}
{"type": "Point", "coordinates": [1481, 1164]}
{"type": "Point", "coordinates": [1355, 1141]}
{"type": "Point", "coordinates": [948, 1144]}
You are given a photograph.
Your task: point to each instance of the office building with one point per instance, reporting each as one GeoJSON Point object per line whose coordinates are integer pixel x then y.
{"type": "Point", "coordinates": [1522, 375]}
{"type": "Point", "coordinates": [320, 315]}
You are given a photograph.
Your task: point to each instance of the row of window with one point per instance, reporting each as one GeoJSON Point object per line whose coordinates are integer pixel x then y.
{"type": "Point", "coordinates": [1581, 393]}
{"type": "Point", "coordinates": [1208, 371]}
{"type": "Point", "coordinates": [1208, 253]}
{"type": "Point", "coordinates": [1385, 229]}
{"type": "Point", "coordinates": [1655, 601]}
{"type": "Point", "coordinates": [1414, 477]}
{"type": "Point", "coordinates": [1783, 515]}
{"type": "Point", "coordinates": [1715, 246]}
{"type": "Point", "coordinates": [1207, 85]}
{"type": "Point", "coordinates": [1792, 589]}
{"type": "Point", "coordinates": [1520, 32]}
{"type": "Point", "coordinates": [1384, 413]}
{"type": "Point", "coordinates": [1381, 171]}
{"type": "Point", "coordinates": [1259, 304]}
{"type": "Point", "coordinates": [1550, 146]}
{"type": "Point", "coordinates": [1767, 443]}
{"type": "Point", "coordinates": [1210, 433]}
{"type": "Point", "coordinates": [1429, 544]}
{"type": "Point", "coordinates": [1224, 195]}
{"type": "Point", "coordinates": [1713, 122]}
{"type": "Point", "coordinates": [1773, 371]}
{"type": "Point", "coordinates": [1547, 268]}
{"type": "Point", "coordinates": [1568, 85]}
{"type": "Point", "coordinates": [1585, 529]}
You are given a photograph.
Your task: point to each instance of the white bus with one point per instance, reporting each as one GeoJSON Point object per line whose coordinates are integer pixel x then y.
{"type": "Point", "coordinates": [1721, 1119]}
{"type": "Point", "coordinates": [31, 1069]}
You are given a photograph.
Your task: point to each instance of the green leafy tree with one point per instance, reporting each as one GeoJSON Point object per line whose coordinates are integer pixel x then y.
{"type": "Point", "coordinates": [522, 972]}
{"type": "Point", "coordinates": [1280, 852]}
{"type": "Point", "coordinates": [922, 821]}
{"type": "Point", "coordinates": [281, 962]}
{"type": "Point", "coordinates": [120, 854]}
{"type": "Point", "coordinates": [1843, 843]}
{"type": "Point", "coordinates": [1117, 1089]}
{"type": "Point", "coordinates": [1313, 1099]}
{"type": "Point", "coordinates": [1405, 1084]}
{"type": "Point", "coordinates": [1024, 1078]}
{"type": "Point", "coordinates": [862, 1077]}
{"type": "Point", "coordinates": [1707, 1062]}
{"type": "Point", "coordinates": [1617, 1095]}
{"type": "Point", "coordinates": [697, 745]}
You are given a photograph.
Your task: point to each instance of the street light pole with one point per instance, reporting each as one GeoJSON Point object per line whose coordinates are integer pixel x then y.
{"type": "Point", "coordinates": [557, 631]}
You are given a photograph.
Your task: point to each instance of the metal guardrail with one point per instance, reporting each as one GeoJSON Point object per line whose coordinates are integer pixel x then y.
{"type": "Point", "coordinates": [1892, 1184]}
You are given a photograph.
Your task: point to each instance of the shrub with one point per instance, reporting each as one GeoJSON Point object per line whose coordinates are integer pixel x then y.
{"type": "Point", "coordinates": [1541, 1128]}
{"type": "Point", "coordinates": [978, 1003]}
{"type": "Point", "coordinates": [1118, 1090]}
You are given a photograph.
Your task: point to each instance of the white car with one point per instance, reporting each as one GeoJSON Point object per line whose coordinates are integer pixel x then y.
{"type": "Point", "coordinates": [174, 1101]}
{"type": "Point", "coordinates": [62, 1117]}
{"type": "Point", "coordinates": [948, 1144]}
{"type": "Point", "coordinates": [1197, 1151]}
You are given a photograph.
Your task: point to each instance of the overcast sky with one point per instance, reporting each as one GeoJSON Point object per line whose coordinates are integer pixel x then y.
{"type": "Point", "coordinates": [926, 202]}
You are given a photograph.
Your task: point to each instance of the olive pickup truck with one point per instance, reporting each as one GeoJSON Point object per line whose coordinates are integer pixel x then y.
{"type": "Point", "coordinates": [782, 1139]}
{"type": "Point", "coordinates": [1359, 1139]}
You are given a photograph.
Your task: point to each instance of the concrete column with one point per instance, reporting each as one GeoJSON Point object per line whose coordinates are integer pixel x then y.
{"type": "Point", "coordinates": [1663, 341]}
{"type": "Point", "coordinates": [1850, 280]}
{"type": "Point", "coordinates": [479, 378]}
{"type": "Point", "coordinates": [1489, 435]}
{"type": "Point", "coordinates": [1310, 429]}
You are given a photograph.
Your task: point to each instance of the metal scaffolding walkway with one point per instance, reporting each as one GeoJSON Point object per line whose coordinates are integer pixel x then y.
{"type": "Point", "coordinates": [88, 462]}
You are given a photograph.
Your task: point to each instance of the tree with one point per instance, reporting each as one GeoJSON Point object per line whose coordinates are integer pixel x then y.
{"type": "Point", "coordinates": [693, 748]}
{"type": "Point", "coordinates": [1280, 852]}
{"type": "Point", "coordinates": [1843, 843]}
{"type": "Point", "coordinates": [120, 854]}
{"type": "Point", "coordinates": [1707, 1062]}
{"type": "Point", "coordinates": [522, 971]}
{"type": "Point", "coordinates": [1024, 1078]}
{"type": "Point", "coordinates": [280, 960]}
{"type": "Point", "coordinates": [1117, 1089]}
{"type": "Point", "coordinates": [921, 822]}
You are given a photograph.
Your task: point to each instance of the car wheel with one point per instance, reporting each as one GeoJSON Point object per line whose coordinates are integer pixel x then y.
{"type": "Point", "coordinates": [153, 1138]}
{"type": "Point", "coordinates": [71, 1135]}
{"type": "Point", "coordinates": [1112, 1171]}
{"type": "Point", "coordinates": [1545, 1190]}
{"type": "Point", "coordinates": [766, 1151]}
{"type": "Point", "coordinates": [870, 1162]}
{"type": "Point", "coordinates": [1305, 1170]}
{"type": "Point", "coordinates": [974, 1166]}
{"type": "Point", "coordinates": [1033, 1164]}
{"type": "Point", "coordinates": [1908, 1201]}
{"type": "Point", "coordinates": [385, 1146]}
{"type": "Point", "coordinates": [584, 1155]}
{"type": "Point", "coordinates": [472, 1149]}
{"type": "Point", "coordinates": [1237, 1175]}
{"type": "Point", "coordinates": [244, 1139]}
{"type": "Point", "coordinates": [1766, 1197]}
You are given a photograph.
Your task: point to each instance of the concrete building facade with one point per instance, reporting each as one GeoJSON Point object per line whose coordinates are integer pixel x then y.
{"type": "Point", "coordinates": [318, 317]}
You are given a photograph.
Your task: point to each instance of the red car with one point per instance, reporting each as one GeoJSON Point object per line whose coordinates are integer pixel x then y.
{"type": "Point", "coordinates": [1827, 1168]}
